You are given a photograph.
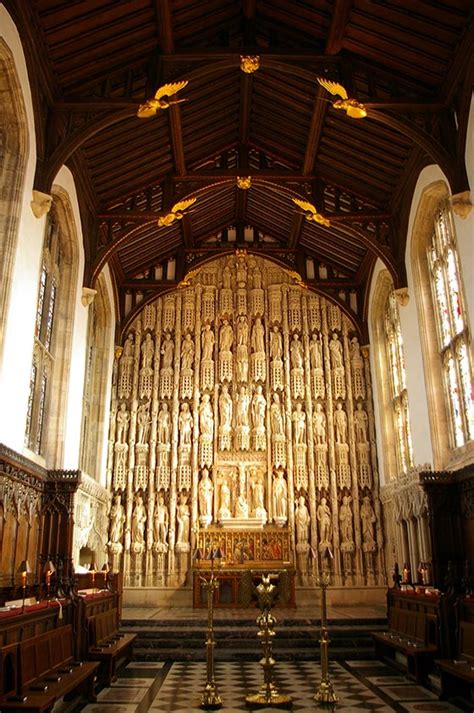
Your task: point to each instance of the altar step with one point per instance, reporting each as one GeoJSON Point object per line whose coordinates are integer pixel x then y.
{"type": "Point", "coordinates": [295, 639]}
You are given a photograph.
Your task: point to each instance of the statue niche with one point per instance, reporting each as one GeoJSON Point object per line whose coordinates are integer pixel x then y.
{"type": "Point", "coordinates": [242, 403]}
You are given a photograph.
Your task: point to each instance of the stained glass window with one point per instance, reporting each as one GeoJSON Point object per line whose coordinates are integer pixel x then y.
{"type": "Point", "coordinates": [398, 389]}
{"type": "Point", "coordinates": [44, 333]}
{"type": "Point", "coordinates": [453, 334]}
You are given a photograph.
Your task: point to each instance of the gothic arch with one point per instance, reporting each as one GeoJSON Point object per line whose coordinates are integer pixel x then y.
{"type": "Point", "coordinates": [429, 202]}
{"type": "Point", "coordinates": [14, 144]}
{"type": "Point", "coordinates": [64, 318]}
{"type": "Point", "coordinates": [383, 287]}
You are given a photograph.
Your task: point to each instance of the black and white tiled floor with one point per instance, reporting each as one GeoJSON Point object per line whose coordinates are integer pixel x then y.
{"type": "Point", "coordinates": [177, 687]}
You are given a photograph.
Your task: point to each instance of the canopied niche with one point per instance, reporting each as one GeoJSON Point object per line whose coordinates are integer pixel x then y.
{"type": "Point", "coordinates": [243, 401]}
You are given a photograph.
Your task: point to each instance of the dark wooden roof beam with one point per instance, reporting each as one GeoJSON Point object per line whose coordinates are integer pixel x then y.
{"type": "Point", "coordinates": [340, 16]}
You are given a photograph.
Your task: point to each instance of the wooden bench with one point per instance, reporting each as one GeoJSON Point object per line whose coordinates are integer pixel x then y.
{"type": "Point", "coordinates": [413, 638]}
{"type": "Point", "coordinates": [457, 675]}
{"type": "Point", "coordinates": [107, 645]}
{"type": "Point", "coordinates": [39, 671]}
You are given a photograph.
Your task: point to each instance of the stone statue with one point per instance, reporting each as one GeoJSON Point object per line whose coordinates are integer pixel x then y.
{"type": "Point", "coordinates": [367, 517]}
{"type": "Point", "coordinates": [257, 408]}
{"type": "Point", "coordinates": [257, 279]}
{"type": "Point", "coordinates": [335, 348]}
{"type": "Point", "coordinates": [147, 350]}
{"type": "Point", "coordinates": [123, 422]}
{"type": "Point", "coordinates": [280, 497]}
{"type": "Point", "coordinates": [128, 347]}
{"type": "Point", "coordinates": [258, 337]}
{"type": "Point", "coordinates": [187, 353]}
{"type": "Point", "coordinates": [319, 424]}
{"type": "Point", "coordinates": [258, 492]}
{"type": "Point", "coordinates": [315, 352]}
{"type": "Point", "coordinates": [167, 350]}
{"type": "Point", "coordinates": [302, 520]}
{"type": "Point", "coordinates": [183, 518]}
{"type": "Point", "coordinates": [206, 490]}
{"type": "Point", "coordinates": [208, 340]}
{"type": "Point", "coordinates": [242, 407]}
{"type": "Point", "coordinates": [226, 337]}
{"type": "Point", "coordinates": [164, 425]}
{"type": "Point", "coordinates": [242, 363]}
{"type": "Point", "coordinates": [356, 357]}
{"type": "Point", "coordinates": [276, 343]}
{"type": "Point", "coordinates": [276, 416]}
{"type": "Point", "coordinates": [225, 408]}
{"type": "Point", "coordinates": [296, 352]}
{"type": "Point", "coordinates": [242, 331]}
{"type": "Point", "coordinates": [345, 520]}
{"type": "Point", "coordinates": [225, 500]}
{"type": "Point", "coordinates": [143, 422]}
{"type": "Point", "coordinates": [323, 515]}
{"type": "Point", "coordinates": [117, 520]}
{"type": "Point", "coordinates": [161, 521]}
{"type": "Point", "coordinates": [185, 425]}
{"type": "Point", "coordinates": [226, 277]}
{"type": "Point", "coordinates": [299, 421]}
{"type": "Point", "coordinates": [138, 522]}
{"type": "Point", "coordinates": [241, 272]}
{"type": "Point", "coordinates": [361, 421]}
{"type": "Point", "coordinates": [206, 418]}
{"type": "Point", "coordinates": [241, 507]}
{"type": "Point", "coordinates": [340, 423]}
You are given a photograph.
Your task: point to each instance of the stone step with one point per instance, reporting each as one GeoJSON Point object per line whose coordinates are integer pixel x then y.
{"type": "Point", "coordinates": [298, 639]}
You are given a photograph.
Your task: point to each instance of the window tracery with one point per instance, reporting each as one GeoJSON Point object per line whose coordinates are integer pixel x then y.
{"type": "Point", "coordinates": [452, 329]}
{"type": "Point", "coordinates": [399, 396]}
{"type": "Point", "coordinates": [43, 359]}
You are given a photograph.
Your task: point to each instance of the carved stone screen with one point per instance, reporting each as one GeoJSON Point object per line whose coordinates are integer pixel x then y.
{"type": "Point", "coordinates": [243, 402]}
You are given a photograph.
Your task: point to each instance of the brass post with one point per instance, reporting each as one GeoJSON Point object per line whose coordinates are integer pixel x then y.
{"type": "Point", "coordinates": [268, 694]}
{"type": "Point", "coordinates": [210, 698]}
{"type": "Point", "coordinates": [325, 693]}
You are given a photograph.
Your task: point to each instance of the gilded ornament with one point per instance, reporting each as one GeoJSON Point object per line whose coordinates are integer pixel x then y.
{"type": "Point", "coordinates": [244, 182]}
{"type": "Point", "coordinates": [352, 107]}
{"type": "Point", "coordinates": [249, 63]}
{"type": "Point", "coordinates": [311, 214]}
{"type": "Point", "coordinates": [176, 212]}
{"type": "Point", "coordinates": [161, 100]}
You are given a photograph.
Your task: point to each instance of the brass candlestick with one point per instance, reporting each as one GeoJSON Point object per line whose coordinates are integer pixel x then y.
{"type": "Point", "coordinates": [210, 698]}
{"type": "Point", "coordinates": [325, 693]}
{"type": "Point", "coordinates": [268, 694]}
{"type": "Point", "coordinates": [24, 569]}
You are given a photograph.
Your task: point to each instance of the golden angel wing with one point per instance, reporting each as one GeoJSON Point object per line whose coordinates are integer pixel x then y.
{"type": "Point", "coordinates": [333, 87]}
{"type": "Point", "coordinates": [304, 205]}
{"type": "Point", "coordinates": [182, 205]}
{"type": "Point", "coordinates": [167, 90]}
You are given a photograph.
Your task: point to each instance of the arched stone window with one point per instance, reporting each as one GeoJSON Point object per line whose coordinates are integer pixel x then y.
{"type": "Point", "coordinates": [393, 396]}
{"type": "Point", "coordinates": [443, 323]}
{"type": "Point", "coordinates": [53, 333]}
{"type": "Point", "coordinates": [452, 327]}
{"type": "Point", "coordinates": [398, 384]}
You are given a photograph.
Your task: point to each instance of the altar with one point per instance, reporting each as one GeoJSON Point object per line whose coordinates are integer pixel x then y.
{"type": "Point", "coordinates": [243, 551]}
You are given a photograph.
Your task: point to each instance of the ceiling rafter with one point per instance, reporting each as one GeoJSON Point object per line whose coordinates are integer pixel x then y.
{"type": "Point", "coordinates": [339, 19]}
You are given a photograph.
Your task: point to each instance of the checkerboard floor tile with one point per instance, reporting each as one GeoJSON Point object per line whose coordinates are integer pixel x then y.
{"type": "Point", "coordinates": [177, 688]}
